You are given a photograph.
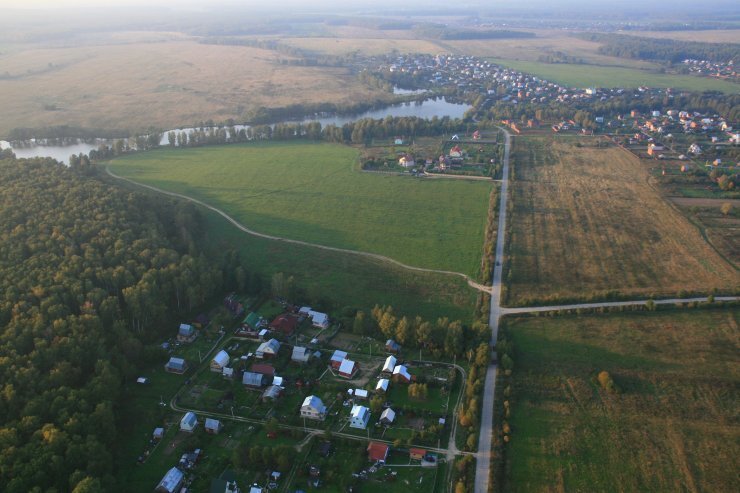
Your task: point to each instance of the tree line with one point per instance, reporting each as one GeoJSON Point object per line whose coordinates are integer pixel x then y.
{"type": "Point", "coordinates": [665, 50]}
{"type": "Point", "coordinates": [90, 276]}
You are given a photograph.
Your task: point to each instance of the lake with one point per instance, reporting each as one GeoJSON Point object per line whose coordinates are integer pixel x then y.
{"type": "Point", "coordinates": [429, 108]}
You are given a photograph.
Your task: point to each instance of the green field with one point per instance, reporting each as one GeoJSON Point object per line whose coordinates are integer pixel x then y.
{"type": "Point", "coordinates": [582, 75]}
{"type": "Point", "coordinates": [671, 426]}
{"type": "Point", "coordinates": [312, 192]}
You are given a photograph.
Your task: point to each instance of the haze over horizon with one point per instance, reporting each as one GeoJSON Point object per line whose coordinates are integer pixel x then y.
{"type": "Point", "coordinates": [374, 5]}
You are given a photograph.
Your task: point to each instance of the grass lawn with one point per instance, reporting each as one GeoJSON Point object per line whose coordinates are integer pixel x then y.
{"type": "Point", "coordinates": [313, 192]}
{"type": "Point", "coordinates": [672, 426]}
{"type": "Point", "coordinates": [586, 223]}
{"type": "Point", "coordinates": [581, 75]}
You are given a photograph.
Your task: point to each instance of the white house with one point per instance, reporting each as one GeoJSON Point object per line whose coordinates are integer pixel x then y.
{"type": "Point", "coordinates": [228, 373]}
{"type": "Point", "coordinates": [390, 364]}
{"type": "Point", "coordinates": [268, 349]}
{"type": "Point", "coordinates": [348, 368]}
{"type": "Point", "coordinates": [388, 416]}
{"type": "Point", "coordinates": [382, 385]}
{"type": "Point", "coordinates": [318, 319]}
{"type": "Point", "coordinates": [337, 358]}
{"type": "Point", "coordinates": [401, 374]}
{"type": "Point", "coordinates": [171, 482]}
{"type": "Point", "coordinates": [189, 422]}
{"type": "Point", "coordinates": [300, 354]}
{"type": "Point", "coordinates": [220, 361]}
{"type": "Point", "coordinates": [360, 393]}
{"type": "Point", "coordinates": [213, 426]}
{"type": "Point", "coordinates": [313, 408]}
{"type": "Point", "coordinates": [359, 417]}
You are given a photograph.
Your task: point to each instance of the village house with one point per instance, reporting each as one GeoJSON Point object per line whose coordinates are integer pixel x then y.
{"type": "Point", "coordinates": [313, 408]}
{"type": "Point", "coordinates": [456, 152]}
{"type": "Point", "coordinates": [382, 385]}
{"type": "Point", "coordinates": [213, 426]}
{"type": "Point", "coordinates": [654, 148]}
{"type": "Point", "coordinates": [407, 161]}
{"type": "Point", "coordinates": [300, 354]}
{"type": "Point", "coordinates": [319, 320]}
{"type": "Point", "coordinates": [187, 333]}
{"type": "Point", "coordinates": [377, 452]}
{"type": "Point", "coordinates": [392, 346]}
{"type": "Point", "coordinates": [417, 453]}
{"type": "Point", "coordinates": [286, 324]}
{"type": "Point", "coordinates": [357, 393]}
{"type": "Point", "coordinates": [401, 374]}
{"type": "Point", "coordinates": [176, 365]}
{"type": "Point", "coordinates": [253, 380]}
{"type": "Point", "coordinates": [359, 416]}
{"type": "Point", "coordinates": [272, 393]}
{"type": "Point", "coordinates": [220, 361]}
{"type": "Point", "coordinates": [348, 368]}
{"type": "Point", "coordinates": [389, 365]}
{"type": "Point", "coordinates": [263, 369]}
{"type": "Point", "coordinates": [189, 422]}
{"type": "Point", "coordinates": [268, 349]}
{"type": "Point", "coordinates": [387, 416]}
{"type": "Point", "coordinates": [337, 358]}
{"type": "Point", "coordinates": [251, 325]}
{"type": "Point", "coordinates": [158, 434]}
{"type": "Point", "coordinates": [228, 373]}
{"type": "Point", "coordinates": [171, 482]}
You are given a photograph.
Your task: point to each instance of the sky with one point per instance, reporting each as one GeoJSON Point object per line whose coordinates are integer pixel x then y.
{"type": "Point", "coordinates": [355, 4]}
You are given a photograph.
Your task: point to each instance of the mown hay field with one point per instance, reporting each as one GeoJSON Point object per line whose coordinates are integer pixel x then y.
{"type": "Point", "coordinates": [585, 223]}
{"type": "Point", "coordinates": [314, 192]}
{"type": "Point", "coordinates": [165, 84]}
{"type": "Point", "coordinates": [671, 426]}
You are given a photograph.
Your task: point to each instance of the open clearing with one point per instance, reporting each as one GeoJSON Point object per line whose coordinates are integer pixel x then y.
{"type": "Point", "coordinates": [581, 75]}
{"type": "Point", "coordinates": [162, 84]}
{"type": "Point", "coordinates": [313, 193]}
{"type": "Point", "coordinates": [671, 427]}
{"type": "Point", "coordinates": [585, 223]}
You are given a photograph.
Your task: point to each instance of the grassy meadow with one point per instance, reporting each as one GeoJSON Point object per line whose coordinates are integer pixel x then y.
{"type": "Point", "coordinates": [581, 75]}
{"type": "Point", "coordinates": [671, 426]}
{"type": "Point", "coordinates": [313, 192]}
{"type": "Point", "coordinates": [586, 223]}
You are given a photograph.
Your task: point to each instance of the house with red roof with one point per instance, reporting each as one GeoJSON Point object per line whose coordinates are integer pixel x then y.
{"type": "Point", "coordinates": [285, 324]}
{"type": "Point", "coordinates": [377, 452]}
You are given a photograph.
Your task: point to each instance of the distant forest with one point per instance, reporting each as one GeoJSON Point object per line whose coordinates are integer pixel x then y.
{"type": "Point", "coordinates": [90, 276]}
{"type": "Point", "coordinates": [665, 50]}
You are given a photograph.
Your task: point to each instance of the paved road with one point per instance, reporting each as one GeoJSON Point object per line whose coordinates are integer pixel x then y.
{"type": "Point", "coordinates": [471, 282]}
{"type": "Point", "coordinates": [483, 463]}
{"type": "Point", "coordinates": [671, 301]}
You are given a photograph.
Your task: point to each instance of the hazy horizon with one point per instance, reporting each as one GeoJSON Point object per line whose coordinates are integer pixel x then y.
{"type": "Point", "coordinates": [375, 6]}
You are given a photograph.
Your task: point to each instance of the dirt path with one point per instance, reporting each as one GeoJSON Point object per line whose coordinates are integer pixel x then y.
{"type": "Point", "coordinates": [473, 284]}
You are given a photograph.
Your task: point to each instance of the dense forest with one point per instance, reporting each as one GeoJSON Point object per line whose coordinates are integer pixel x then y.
{"type": "Point", "coordinates": [90, 274]}
{"type": "Point", "coordinates": [666, 50]}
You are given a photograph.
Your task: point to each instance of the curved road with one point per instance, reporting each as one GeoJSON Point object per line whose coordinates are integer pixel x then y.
{"type": "Point", "coordinates": [472, 283]}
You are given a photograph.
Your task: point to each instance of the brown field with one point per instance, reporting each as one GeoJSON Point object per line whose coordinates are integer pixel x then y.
{"type": "Point", "coordinates": [373, 42]}
{"type": "Point", "coordinates": [165, 84]}
{"type": "Point", "coordinates": [671, 426]}
{"type": "Point", "coordinates": [586, 223]}
{"type": "Point", "coordinates": [547, 41]}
